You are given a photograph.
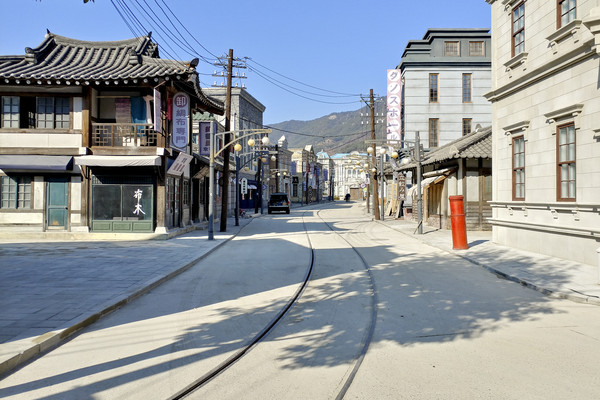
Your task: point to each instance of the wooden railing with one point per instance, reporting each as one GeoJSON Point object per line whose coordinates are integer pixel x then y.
{"type": "Point", "coordinates": [118, 135]}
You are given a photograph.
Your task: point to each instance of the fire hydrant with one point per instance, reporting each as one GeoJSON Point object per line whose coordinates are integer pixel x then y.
{"type": "Point", "coordinates": [459, 229]}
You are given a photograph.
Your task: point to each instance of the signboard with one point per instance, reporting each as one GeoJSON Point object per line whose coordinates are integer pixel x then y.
{"type": "Point", "coordinates": [204, 131]}
{"type": "Point", "coordinates": [394, 103]}
{"type": "Point", "coordinates": [294, 179]}
{"type": "Point", "coordinates": [181, 114]}
{"type": "Point", "coordinates": [157, 111]}
{"type": "Point", "coordinates": [401, 187]}
{"type": "Point", "coordinates": [123, 110]}
{"type": "Point", "coordinates": [179, 164]}
{"type": "Point", "coordinates": [244, 186]}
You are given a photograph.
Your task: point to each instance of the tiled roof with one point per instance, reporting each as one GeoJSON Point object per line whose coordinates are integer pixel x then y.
{"type": "Point", "coordinates": [59, 60]}
{"type": "Point", "coordinates": [474, 145]}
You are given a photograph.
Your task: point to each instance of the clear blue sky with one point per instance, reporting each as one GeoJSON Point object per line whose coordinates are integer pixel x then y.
{"type": "Point", "coordinates": [342, 46]}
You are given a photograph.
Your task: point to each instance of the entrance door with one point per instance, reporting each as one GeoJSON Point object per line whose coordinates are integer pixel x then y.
{"type": "Point", "coordinates": [57, 203]}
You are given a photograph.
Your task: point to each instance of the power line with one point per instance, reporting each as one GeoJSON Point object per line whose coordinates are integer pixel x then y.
{"type": "Point", "coordinates": [312, 135]}
{"type": "Point", "coordinates": [134, 24]}
{"type": "Point", "coordinates": [305, 84]}
{"type": "Point", "coordinates": [270, 80]}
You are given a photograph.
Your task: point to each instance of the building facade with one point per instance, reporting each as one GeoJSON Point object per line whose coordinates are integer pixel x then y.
{"type": "Point", "coordinates": [85, 150]}
{"type": "Point", "coordinates": [350, 176]}
{"type": "Point", "coordinates": [280, 167]}
{"type": "Point", "coordinates": [304, 179]}
{"type": "Point", "coordinates": [444, 78]}
{"type": "Point", "coordinates": [546, 126]}
{"type": "Point", "coordinates": [246, 113]}
{"type": "Point", "coordinates": [327, 175]}
{"type": "Point", "coordinates": [462, 167]}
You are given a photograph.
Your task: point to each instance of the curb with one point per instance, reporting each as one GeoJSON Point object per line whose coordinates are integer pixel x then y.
{"type": "Point", "coordinates": [52, 339]}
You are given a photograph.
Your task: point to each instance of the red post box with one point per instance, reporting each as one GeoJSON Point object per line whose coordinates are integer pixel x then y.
{"type": "Point", "coordinates": [459, 229]}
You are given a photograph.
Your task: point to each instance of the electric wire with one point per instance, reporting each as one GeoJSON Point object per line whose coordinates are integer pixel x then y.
{"type": "Point", "coordinates": [270, 80]}
{"type": "Point", "coordinates": [135, 25]}
{"type": "Point", "coordinates": [305, 84]}
{"type": "Point", "coordinates": [146, 14]}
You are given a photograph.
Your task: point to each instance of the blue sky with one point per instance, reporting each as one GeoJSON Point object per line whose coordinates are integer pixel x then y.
{"type": "Point", "coordinates": [329, 48]}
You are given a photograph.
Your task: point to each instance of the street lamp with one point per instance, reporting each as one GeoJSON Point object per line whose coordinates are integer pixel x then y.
{"type": "Point", "coordinates": [382, 152]}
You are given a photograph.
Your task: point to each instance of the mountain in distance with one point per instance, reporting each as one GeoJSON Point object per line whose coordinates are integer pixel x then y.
{"type": "Point", "coordinates": [340, 132]}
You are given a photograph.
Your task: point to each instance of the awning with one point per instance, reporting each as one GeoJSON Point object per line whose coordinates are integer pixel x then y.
{"type": "Point", "coordinates": [252, 187]}
{"type": "Point", "coordinates": [424, 183]}
{"type": "Point", "coordinates": [118, 161]}
{"type": "Point", "coordinates": [35, 163]}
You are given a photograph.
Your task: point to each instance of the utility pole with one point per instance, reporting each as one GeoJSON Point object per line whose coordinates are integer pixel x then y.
{"type": "Point", "coordinates": [227, 150]}
{"type": "Point", "coordinates": [374, 155]}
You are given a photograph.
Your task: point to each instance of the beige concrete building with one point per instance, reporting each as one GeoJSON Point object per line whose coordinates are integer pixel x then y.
{"type": "Point", "coordinates": [546, 126]}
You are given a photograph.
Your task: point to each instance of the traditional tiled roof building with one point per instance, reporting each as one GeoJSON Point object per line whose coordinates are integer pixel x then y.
{"type": "Point", "coordinates": [95, 137]}
{"type": "Point", "coordinates": [461, 167]}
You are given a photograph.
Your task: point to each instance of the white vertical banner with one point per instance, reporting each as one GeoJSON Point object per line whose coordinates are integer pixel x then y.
{"type": "Point", "coordinates": [181, 115]}
{"type": "Point", "coordinates": [157, 111]}
{"type": "Point", "coordinates": [394, 93]}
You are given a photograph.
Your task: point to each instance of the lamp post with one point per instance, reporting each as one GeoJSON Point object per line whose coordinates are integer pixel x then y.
{"type": "Point", "coordinates": [417, 160]}
{"type": "Point", "coordinates": [241, 134]}
{"type": "Point", "coordinates": [382, 152]}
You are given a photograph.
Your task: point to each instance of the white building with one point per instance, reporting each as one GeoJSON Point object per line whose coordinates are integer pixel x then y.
{"type": "Point", "coordinates": [444, 78]}
{"type": "Point", "coordinates": [349, 175]}
{"type": "Point", "coordinates": [546, 126]}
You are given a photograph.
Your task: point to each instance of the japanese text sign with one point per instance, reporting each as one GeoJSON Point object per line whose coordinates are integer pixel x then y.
{"type": "Point", "coordinates": [181, 113]}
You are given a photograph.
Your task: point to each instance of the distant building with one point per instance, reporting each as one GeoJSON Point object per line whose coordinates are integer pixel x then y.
{"type": "Point", "coordinates": [350, 176]}
{"type": "Point", "coordinates": [280, 166]}
{"type": "Point", "coordinates": [546, 127]}
{"type": "Point", "coordinates": [304, 179]}
{"type": "Point", "coordinates": [444, 78]}
{"type": "Point", "coordinates": [246, 113]}
{"type": "Point", "coordinates": [326, 175]}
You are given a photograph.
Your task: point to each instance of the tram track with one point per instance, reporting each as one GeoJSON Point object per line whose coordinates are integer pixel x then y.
{"type": "Point", "coordinates": [365, 342]}
{"type": "Point", "coordinates": [230, 361]}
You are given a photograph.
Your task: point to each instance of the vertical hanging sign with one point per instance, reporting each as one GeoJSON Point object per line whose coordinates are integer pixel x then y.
{"type": "Point", "coordinates": [181, 114]}
{"type": "Point", "coordinates": [394, 91]}
{"type": "Point", "coordinates": [157, 111]}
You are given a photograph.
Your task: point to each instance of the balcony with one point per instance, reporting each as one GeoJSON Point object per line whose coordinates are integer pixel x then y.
{"type": "Point", "coordinates": [124, 135]}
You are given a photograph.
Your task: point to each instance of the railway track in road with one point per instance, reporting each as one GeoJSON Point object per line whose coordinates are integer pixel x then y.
{"type": "Point", "coordinates": [352, 367]}
{"type": "Point", "coordinates": [264, 332]}
{"type": "Point", "coordinates": [296, 324]}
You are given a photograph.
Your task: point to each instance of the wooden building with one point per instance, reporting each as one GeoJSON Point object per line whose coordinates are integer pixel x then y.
{"type": "Point", "coordinates": [95, 137]}
{"type": "Point", "coordinates": [461, 167]}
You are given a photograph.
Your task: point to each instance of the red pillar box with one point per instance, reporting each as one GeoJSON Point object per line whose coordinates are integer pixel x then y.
{"type": "Point", "coordinates": [459, 229]}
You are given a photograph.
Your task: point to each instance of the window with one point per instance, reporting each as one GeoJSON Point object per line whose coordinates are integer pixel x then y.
{"type": "Point", "coordinates": [566, 162]}
{"type": "Point", "coordinates": [567, 12]}
{"type": "Point", "coordinates": [433, 132]}
{"type": "Point", "coordinates": [451, 49]}
{"type": "Point", "coordinates": [186, 193]}
{"type": "Point", "coordinates": [10, 112]}
{"type": "Point", "coordinates": [467, 124]}
{"type": "Point", "coordinates": [15, 192]}
{"type": "Point", "coordinates": [477, 49]}
{"type": "Point", "coordinates": [466, 88]}
{"type": "Point", "coordinates": [518, 29]}
{"type": "Point", "coordinates": [35, 112]}
{"type": "Point", "coordinates": [518, 174]}
{"type": "Point", "coordinates": [61, 113]}
{"type": "Point", "coordinates": [433, 88]}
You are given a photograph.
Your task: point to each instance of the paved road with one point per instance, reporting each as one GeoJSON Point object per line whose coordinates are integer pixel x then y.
{"type": "Point", "coordinates": [446, 328]}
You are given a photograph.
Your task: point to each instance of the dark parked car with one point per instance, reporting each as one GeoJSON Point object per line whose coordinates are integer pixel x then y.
{"type": "Point", "coordinates": [279, 202]}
